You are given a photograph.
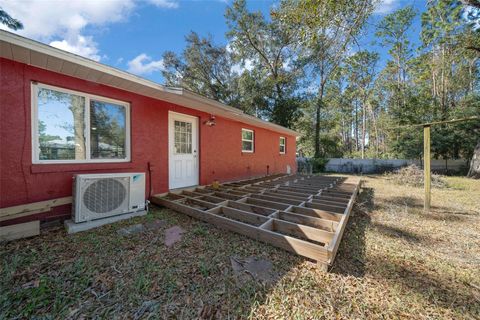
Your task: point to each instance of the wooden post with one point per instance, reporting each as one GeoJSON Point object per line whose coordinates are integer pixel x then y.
{"type": "Point", "coordinates": [426, 166]}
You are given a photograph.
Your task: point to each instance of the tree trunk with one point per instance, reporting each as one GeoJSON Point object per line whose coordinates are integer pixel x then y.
{"type": "Point", "coordinates": [474, 171]}
{"type": "Point", "coordinates": [317, 123]}
{"type": "Point", "coordinates": [78, 108]}
{"type": "Point", "coordinates": [356, 126]}
{"type": "Point", "coordinates": [317, 129]}
{"type": "Point", "coordinates": [364, 125]}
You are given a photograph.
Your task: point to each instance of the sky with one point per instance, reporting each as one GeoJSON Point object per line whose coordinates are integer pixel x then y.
{"type": "Point", "coordinates": [132, 35]}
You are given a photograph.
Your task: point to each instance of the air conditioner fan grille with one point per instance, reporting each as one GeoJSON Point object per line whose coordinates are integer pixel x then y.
{"type": "Point", "coordinates": [104, 195]}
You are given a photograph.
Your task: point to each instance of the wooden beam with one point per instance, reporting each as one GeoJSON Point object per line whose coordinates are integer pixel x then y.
{"type": "Point", "coordinates": [333, 247]}
{"type": "Point", "coordinates": [32, 208]}
{"type": "Point", "coordinates": [311, 229]}
{"type": "Point", "coordinates": [328, 225]}
{"type": "Point", "coordinates": [426, 167]}
{"type": "Point", "coordinates": [239, 215]}
{"type": "Point", "coordinates": [301, 231]}
{"type": "Point", "coordinates": [325, 207]}
{"type": "Point", "coordinates": [265, 203]}
{"type": "Point", "coordinates": [277, 199]}
{"type": "Point", "coordinates": [21, 230]}
{"type": "Point", "coordinates": [331, 203]}
{"type": "Point", "coordinates": [327, 215]}
{"type": "Point", "coordinates": [301, 247]}
{"type": "Point", "coordinates": [251, 208]}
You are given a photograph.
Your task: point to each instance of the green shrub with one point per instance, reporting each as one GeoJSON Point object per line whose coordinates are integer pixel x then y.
{"type": "Point", "coordinates": [318, 164]}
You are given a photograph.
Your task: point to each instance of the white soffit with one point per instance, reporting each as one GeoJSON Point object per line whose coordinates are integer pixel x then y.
{"type": "Point", "coordinates": [17, 48]}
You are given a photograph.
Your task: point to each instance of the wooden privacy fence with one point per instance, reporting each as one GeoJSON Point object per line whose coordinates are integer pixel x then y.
{"type": "Point", "coordinates": [306, 215]}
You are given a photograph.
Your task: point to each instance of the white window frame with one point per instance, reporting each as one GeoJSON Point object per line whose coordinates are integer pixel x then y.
{"type": "Point", "coordinates": [252, 141]}
{"type": "Point", "coordinates": [284, 145]}
{"type": "Point", "coordinates": [34, 124]}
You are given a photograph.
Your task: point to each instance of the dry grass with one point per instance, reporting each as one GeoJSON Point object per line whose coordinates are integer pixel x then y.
{"type": "Point", "coordinates": [394, 262]}
{"type": "Point", "coordinates": [413, 176]}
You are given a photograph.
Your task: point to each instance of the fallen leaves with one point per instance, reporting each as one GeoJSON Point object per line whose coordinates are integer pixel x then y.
{"type": "Point", "coordinates": [394, 262]}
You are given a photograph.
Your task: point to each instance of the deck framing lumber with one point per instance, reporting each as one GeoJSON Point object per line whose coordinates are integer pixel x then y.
{"type": "Point", "coordinates": [305, 215]}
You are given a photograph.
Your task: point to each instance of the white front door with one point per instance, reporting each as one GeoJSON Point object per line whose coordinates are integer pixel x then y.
{"type": "Point", "coordinates": [182, 150]}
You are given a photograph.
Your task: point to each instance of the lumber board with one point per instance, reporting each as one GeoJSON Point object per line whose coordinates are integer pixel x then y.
{"type": "Point", "coordinates": [301, 247]}
{"type": "Point", "coordinates": [276, 199]}
{"type": "Point", "coordinates": [266, 203]}
{"type": "Point", "coordinates": [307, 220]}
{"type": "Point", "coordinates": [302, 214]}
{"type": "Point", "coordinates": [317, 213]}
{"type": "Point", "coordinates": [29, 209]}
{"type": "Point", "coordinates": [330, 203]}
{"type": "Point", "coordinates": [326, 207]}
{"type": "Point", "coordinates": [242, 216]}
{"type": "Point", "coordinates": [251, 208]}
{"type": "Point", "coordinates": [333, 247]}
{"type": "Point", "coordinates": [21, 230]}
{"type": "Point", "coordinates": [302, 231]}
{"type": "Point", "coordinates": [35, 206]}
{"type": "Point", "coordinates": [285, 196]}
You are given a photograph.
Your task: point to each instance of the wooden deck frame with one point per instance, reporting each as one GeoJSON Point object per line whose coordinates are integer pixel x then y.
{"type": "Point", "coordinates": [305, 215]}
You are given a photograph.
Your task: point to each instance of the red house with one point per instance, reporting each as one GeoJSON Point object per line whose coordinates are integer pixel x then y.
{"type": "Point", "coordinates": [62, 114]}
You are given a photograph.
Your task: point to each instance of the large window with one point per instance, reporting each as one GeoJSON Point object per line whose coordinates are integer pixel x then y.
{"type": "Point", "coordinates": [70, 126]}
{"type": "Point", "coordinates": [282, 145]}
{"type": "Point", "coordinates": [247, 140]}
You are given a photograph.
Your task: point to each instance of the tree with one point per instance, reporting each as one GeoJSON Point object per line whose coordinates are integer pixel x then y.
{"type": "Point", "coordinates": [474, 171]}
{"type": "Point", "coordinates": [326, 28]}
{"type": "Point", "coordinates": [203, 68]}
{"type": "Point", "coordinates": [361, 69]}
{"type": "Point", "coordinates": [269, 48]}
{"type": "Point", "coordinates": [10, 22]}
{"type": "Point", "coordinates": [392, 31]}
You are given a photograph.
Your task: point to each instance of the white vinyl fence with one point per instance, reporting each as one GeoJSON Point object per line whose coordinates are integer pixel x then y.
{"type": "Point", "coordinates": [383, 165]}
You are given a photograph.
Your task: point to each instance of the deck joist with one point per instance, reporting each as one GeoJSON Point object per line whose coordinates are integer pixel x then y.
{"type": "Point", "coordinates": [303, 214]}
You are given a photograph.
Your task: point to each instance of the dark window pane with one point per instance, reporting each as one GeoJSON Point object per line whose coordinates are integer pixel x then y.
{"type": "Point", "coordinates": [107, 130]}
{"type": "Point", "coordinates": [247, 146]}
{"type": "Point", "coordinates": [247, 135]}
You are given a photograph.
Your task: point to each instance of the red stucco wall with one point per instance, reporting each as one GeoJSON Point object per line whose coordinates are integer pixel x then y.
{"type": "Point", "coordinates": [220, 146]}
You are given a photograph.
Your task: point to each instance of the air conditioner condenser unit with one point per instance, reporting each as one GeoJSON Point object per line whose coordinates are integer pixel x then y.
{"type": "Point", "coordinates": [104, 198]}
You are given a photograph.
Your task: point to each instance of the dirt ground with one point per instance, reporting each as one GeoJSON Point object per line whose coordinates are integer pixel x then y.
{"type": "Point", "coordinates": [395, 261]}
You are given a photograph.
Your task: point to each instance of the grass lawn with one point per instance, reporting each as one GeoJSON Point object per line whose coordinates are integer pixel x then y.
{"type": "Point", "coordinates": [394, 262]}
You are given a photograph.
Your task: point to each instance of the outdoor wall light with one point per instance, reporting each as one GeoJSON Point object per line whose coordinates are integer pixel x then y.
{"type": "Point", "coordinates": [211, 122]}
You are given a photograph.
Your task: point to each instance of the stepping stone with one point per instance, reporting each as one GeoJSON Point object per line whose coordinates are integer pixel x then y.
{"type": "Point", "coordinates": [172, 235]}
{"type": "Point", "coordinates": [260, 270]}
{"type": "Point", "coordinates": [133, 229]}
{"type": "Point", "coordinates": [155, 224]}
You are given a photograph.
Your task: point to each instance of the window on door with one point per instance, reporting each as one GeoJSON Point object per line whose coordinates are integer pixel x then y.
{"type": "Point", "coordinates": [183, 137]}
{"type": "Point", "coordinates": [282, 145]}
{"type": "Point", "coordinates": [247, 140]}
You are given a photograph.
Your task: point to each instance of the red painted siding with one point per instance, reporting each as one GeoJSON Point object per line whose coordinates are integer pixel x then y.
{"type": "Point", "coordinates": [220, 146]}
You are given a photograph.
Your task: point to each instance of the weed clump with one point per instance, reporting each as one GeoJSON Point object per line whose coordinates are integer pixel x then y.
{"type": "Point", "coordinates": [413, 176]}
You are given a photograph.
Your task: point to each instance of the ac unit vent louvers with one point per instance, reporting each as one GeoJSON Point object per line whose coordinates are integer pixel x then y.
{"type": "Point", "coordinates": [105, 195]}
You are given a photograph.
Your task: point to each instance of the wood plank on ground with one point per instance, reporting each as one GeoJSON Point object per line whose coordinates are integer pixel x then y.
{"type": "Point", "coordinates": [21, 230]}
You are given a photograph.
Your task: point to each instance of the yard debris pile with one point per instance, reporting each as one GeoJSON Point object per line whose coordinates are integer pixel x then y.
{"type": "Point", "coordinates": [413, 176]}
